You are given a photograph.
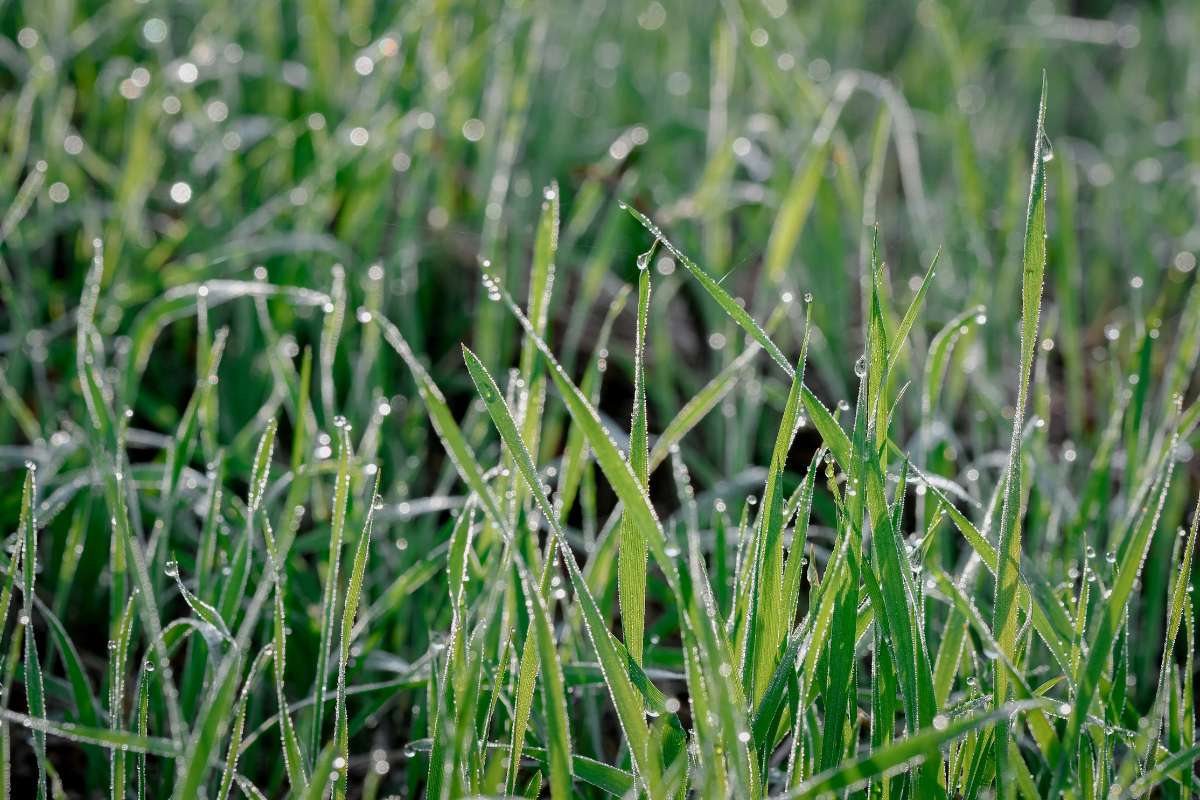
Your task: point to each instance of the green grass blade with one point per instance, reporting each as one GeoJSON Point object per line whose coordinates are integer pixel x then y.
{"type": "Point", "coordinates": [353, 597]}
{"type": "Point", "coordinates": [118, 740]}
{"type": "Point", "coordinates": [615, 662]}
{"type": "Point", "coordinates": [902, 752]}
{"type": "Point", "coordinates": [1004, 622]}
{"type": "Point", "coordinates": [293, 756]}
{"type": "Point", "coordinates": [631, 549]}
{"type": "Point", "coordinates": [731, 306]}
{"type": "Point", "coordinates": [35, 692]}
{"type": "Point", "coordinates": [239, 724]}
{"type": "Point", "coordinates": [1135, 547]}
{"type": "Point", "coordinates": [329, 601]}
{"type": "Point", "coordinates": [766, 625]}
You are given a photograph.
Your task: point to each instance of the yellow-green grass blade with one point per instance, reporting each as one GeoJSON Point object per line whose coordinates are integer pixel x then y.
{"type": "Point", "coordinates": [448, 430]}
{"type": "Point", "coordinates": [723, 298]}
{"type": "Point", "coordinates": [1004, 613]}
{"type": "Point", "coordinates": [541, 287]}
{"type": "Point", "coordinates": [766, 625]}
{"type": "Point", "coordinates": [614, 659]}
{"type": "Point", "coordinates": [547, 654]}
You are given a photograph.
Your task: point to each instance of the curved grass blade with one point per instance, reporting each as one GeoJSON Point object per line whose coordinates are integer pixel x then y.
{"type": "Point", "coordinates": [123, 741]}
{"type": "Point", "coordinates": [239, 724]}
{"type": "Point", "coordinates": [901, 753]}
{"type": "Point", "coordinates": [452, 438]}
{"type": "Point", "coordinates": [615, 662]}
{"type": "Point", "coordinates": [86, 704]}
{"type": "Point", "coordinates": [723, 298]}
{"type": "Point", "coordinates": [550, 666]}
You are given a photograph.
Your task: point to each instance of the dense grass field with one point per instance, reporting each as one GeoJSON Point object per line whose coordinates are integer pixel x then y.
{"type": "Point", "coordinates": [619, 399]}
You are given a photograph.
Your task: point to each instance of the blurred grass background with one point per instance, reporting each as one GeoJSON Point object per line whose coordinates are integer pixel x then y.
{"type": "Point", "coordinates": [202, 140]}
{"type": "Point", "coordinates": [376, 151]}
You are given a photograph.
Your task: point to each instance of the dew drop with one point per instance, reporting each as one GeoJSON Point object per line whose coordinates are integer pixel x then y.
{"type": "Point", "coordinates": [1047, 149]}
{"type": "Point", "coordinates": [860, 366]}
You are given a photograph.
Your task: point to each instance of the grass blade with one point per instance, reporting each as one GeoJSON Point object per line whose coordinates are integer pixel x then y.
{"type": "Point", "coordinates": [1004, 622]}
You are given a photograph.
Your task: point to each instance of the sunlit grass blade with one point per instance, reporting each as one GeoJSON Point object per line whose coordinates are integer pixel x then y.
{"type": "Point", "coordinates": [723, 298]}
{"type": "Point", "coordinates": [1004, 613]}
{"type": "Point", "coordinates": [447, 428]}
{"type": "Point", "coordinates": [767, 624]}
{"type": "Point", "coordinates": [614, 661]}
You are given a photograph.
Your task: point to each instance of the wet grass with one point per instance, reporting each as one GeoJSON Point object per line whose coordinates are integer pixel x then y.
{"type": "Point", "coordinates": [448, 400]}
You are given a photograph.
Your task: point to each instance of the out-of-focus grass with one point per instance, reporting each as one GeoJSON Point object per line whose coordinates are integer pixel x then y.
{"type": "Point", "coordinates": [220, 218]}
